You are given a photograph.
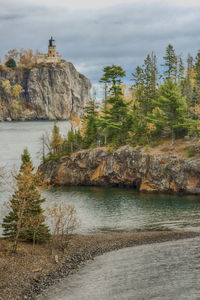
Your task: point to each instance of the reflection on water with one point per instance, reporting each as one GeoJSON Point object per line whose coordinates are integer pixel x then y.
{"type": "Point", "coordinates": [114, 209]}
{"type": "Point", "coordinates": [163, 271]}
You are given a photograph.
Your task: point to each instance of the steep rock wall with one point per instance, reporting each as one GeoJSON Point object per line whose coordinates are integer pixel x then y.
{"type": "Point", "coordinates": [129, 167]}
{"type": "Point", "coordinates": [50, 92]}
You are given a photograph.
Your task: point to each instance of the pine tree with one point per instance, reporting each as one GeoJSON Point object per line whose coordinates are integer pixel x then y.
{"type": "Point", "coordinates": [170, 64]}
{"type": "Point", "coordinates": [91, 136]}
{"type": "Point", "coordinates": [25, 220]}
{"type": "Point", "coordinates": [146, 84]}
{"type": "Point", "coordinates": [197, 67]}
{"type": "Point", "coordinates": [181, 70]}
{"type": "Point", "coordinates": [25, 158]}
{"type": "Point", "coordinates": [116, 121]}
{"type": "Point", "coordinates": [188, 84]}
{"type": "Point", "coordinates": [173, 109]}
{"type": "Point", "coordinates": [56, 141]}
{"type": "Point", "coordinates": [196, 86]}
{"type": "Point", "coordinates": [73, 142]}
{"type": "Point", "coordinates": [138, 78]}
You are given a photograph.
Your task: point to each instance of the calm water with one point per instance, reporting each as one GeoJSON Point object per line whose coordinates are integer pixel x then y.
{"type": "Point", "coordinates": [145, 272]}
{"type": "Point", "coordinates": [114, 209]}
{"type": "Point", "coordinates": [169, 270]}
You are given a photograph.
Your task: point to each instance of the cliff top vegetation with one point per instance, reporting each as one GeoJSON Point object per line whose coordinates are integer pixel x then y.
{"type": "Point", "coordinates": [159, 107]}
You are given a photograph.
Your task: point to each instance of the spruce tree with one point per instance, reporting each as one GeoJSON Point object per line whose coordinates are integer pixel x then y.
{"type": "Point", "coordinates": [73, 142]}
{"type": "Point", "coordinates": [181, 70]}
{"type": "Point", "coordinates": [116, 121]}
{"type": "Point", "coordinates": [188, 84]}
{"type": "Point", "coordinates": [56, 142]}
{"type": "Point", "coordinates": [170, 64]}
{"type": "Point", "coordinates": [173, 109]}
{"type": "Point", "coordinates": [196, 86]}
{"type": "Point", "coordinates": [145, 85]}
{"type": "Point", "coordinates": [90, 120]}
{"type": "Point", "coordinates": [25, 220]}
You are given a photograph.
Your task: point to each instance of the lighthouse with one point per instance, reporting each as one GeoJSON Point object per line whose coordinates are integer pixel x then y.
{"type": "Point", "coordinates": [52, 56]}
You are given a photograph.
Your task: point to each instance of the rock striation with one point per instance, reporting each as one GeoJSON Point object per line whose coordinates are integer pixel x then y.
{"type": "Point", "coordinates": [51, 91]}
{"type": "Point", "coordinates": [126, 167]}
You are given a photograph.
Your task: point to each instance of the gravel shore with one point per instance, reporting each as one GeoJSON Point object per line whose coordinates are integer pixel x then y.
{"type": "Point", "coordinates": [26, 274]}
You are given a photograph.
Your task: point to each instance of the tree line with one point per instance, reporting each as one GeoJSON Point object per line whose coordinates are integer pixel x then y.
{"type": "Point", "coordinates": [162, 105]}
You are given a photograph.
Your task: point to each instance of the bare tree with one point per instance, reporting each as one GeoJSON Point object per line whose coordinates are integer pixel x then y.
{"type": "Point", "coordinates": [64, 221]}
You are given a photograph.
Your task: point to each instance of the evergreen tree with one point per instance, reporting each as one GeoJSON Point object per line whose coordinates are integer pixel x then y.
{"type": "Point", "coordinates": [91, 136]}
{"type": "Point", "coordinates": [25, 158]}
{"type": "Point", "coordinates": [189, 81]}
{"type": "Point", "coordinates": [146, 84]}
{"type": "Point", "coordinates": [196, 86]}
{"type": "Point", "coordinates": [73, 142]}
{"type": "Point", "coordinates": [173, 109]}
{"type": "Point", "coordinates": [56, 141]}
{"type": "Point", "coordinates": [25, 220]}
{"type": "Point", "coordinates": [150, 82]}
{"type": "Point", "coordinates": [11, 63]}
{"type": "Point", "coordinates": [116, 121]}
{"type": "Point", "coordinates": [181, 70]}
{"type": "Point", "coordinates": [197, 68]}
{"type": "Point", "coordinates": [138, 78]}
{"type": "Point", "coordinates": [170, 64]}
{"type": "Point", "coordinates": [106, 81]}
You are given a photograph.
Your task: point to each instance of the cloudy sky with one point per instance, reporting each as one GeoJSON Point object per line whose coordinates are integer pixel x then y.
{"type": "Point", "coordinates": [95, 33]}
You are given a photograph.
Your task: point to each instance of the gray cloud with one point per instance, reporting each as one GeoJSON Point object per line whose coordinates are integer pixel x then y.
{"type": "Point", "coordinates": [91, 39]}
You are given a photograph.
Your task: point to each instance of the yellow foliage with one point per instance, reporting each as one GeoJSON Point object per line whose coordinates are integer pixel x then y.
{"type": "Point", "coordinates": [196, 110]}
{"type": "Point", "coordinates": [56, 142]}
{"type": "Point", "coordinates": [74, 121]}
{"type": "Point", "coordinates": [157, 111]}
{"type": "Point", "coordinates": [151, 127]}
{"type": "Point", "coordinates": [17, 90]}
{"type": "Point", "coordinates": [6, 86]}
{"type": "Point", "coordinates": [27, 57]}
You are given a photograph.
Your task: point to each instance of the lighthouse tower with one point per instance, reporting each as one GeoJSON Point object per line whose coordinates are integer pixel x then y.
{"type": "Point", "coordinates": [52, 56]}
{"type": "Point", "coordinates": [52, 48]}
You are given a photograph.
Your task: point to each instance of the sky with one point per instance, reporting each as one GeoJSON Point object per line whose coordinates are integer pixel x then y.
{"type": "Point", "coordinates": [96, 33]}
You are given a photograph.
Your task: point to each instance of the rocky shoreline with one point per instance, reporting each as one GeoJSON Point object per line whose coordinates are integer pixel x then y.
{"type": "Point", "coordinates": [25, 276]}
{"type": "Point", "coordinates": [162, 170]}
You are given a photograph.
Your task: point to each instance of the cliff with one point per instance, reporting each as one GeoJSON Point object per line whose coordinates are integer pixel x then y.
{"type": "Point", "coordinates": [127, 167]}
{"type": "Point", "coordinates": [50, 92]}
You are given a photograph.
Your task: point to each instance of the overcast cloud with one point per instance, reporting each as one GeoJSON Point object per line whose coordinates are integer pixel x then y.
{"type": "Point", "coordinates": [92, 37]}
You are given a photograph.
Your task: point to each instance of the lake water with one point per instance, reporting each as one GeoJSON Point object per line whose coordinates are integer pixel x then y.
{"type": "Point", "coordinates": [166, 271]}
{"type": "Point", "coordinates": [136, 273]}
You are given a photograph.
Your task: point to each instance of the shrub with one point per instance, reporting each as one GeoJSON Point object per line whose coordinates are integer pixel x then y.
{"type": "Point", "coordinates": [11, 63]}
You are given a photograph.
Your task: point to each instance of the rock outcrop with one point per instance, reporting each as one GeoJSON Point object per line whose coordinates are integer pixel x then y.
{"type": "Point", "coordinates": [128, 167]}
{"type": "Point", "coordinates": [50, 92]}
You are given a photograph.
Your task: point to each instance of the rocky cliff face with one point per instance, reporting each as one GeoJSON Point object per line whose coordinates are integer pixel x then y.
{"type": "Point", "coordinates": [127, 166]}
{"type": "Point", "coordinates": [50, 92]}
